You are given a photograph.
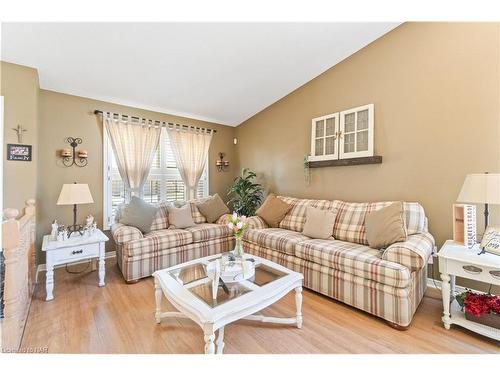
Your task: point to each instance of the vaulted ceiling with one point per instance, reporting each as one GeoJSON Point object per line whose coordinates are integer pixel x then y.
{"type": "Point", "coordinates": [220, 72]}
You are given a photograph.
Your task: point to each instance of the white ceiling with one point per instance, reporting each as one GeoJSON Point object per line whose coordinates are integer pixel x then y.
{"type": "Point", "coordinates": [220, 72]}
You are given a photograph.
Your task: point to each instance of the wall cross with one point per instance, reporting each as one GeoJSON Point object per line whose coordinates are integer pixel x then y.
{"type": "Point", "coordinates": [19, 130]}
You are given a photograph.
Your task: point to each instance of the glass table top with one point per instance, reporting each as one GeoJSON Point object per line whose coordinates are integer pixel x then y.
{"type": "Point", "coordinates": [194, 277]}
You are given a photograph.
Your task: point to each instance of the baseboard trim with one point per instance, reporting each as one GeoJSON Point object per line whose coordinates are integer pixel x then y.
{"type": "Point", "coordinates": [43, 267]}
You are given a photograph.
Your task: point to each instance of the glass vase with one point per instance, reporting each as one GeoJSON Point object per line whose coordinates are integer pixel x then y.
{"type": "Point", "coordinates": [238, 248]}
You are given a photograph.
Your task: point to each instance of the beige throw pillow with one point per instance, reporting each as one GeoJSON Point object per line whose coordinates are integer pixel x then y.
{"type": "Point", "coordinates": [319, 223]}
{"type": "Point", "coordinates": [273, 210]}
{"type": "Point", "coordinates": [386, 226]}
{"type": "Point", "coordinates": [139, 214]}
{"type": "Point", "coordinates": [180, 218]}
{"type": "Point", "coordinates": [213, 208]}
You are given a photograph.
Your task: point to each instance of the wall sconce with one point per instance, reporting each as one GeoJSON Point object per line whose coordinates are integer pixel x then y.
{"type": "Point", "coordinates": [221, 163]}
{"type": "Point", "coordinates": [70, 156]}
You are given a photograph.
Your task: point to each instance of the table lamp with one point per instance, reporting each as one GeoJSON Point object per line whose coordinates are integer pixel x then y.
{"type": "Point", "coordinates": [481, 188]}
{"type": "Point", "coordinates": [75, 194]}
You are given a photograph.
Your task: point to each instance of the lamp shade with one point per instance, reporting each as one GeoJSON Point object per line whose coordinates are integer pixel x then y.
{"type": "Point", "coordinates": [75, 194]}
{"type": "Point", "coordinates": [481, 188]}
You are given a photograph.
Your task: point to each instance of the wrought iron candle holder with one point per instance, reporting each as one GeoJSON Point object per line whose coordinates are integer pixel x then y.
{"type": "Point", "coordinates": [73, 157]}
{"type": "Point", "coordinates": [221, 163]}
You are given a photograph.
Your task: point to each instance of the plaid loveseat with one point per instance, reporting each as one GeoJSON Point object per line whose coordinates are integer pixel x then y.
{"type": "Point", "coordinates": [139, 255]}
{"type": "Point", "coordinates": [388, 283]}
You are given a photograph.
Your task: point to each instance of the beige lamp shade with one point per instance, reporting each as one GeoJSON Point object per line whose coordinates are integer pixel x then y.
{"type": "Point", "coordinates": [480, 188]}
{"type": "Point", "coordinates": [75, 194]}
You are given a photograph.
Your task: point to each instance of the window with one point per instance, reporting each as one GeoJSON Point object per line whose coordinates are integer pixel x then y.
{"type": "Point", "coordinates": [164, 182]}
{"type": "Point", "coordinates": [324, 137]}
{"type": "Point", "coordinates": [343, 135]}
{"type": "Point", "coordinates": [356, 129]}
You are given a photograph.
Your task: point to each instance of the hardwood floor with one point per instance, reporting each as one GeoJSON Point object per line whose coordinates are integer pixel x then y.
{"type": "Point", "coordinates": [119, 318]}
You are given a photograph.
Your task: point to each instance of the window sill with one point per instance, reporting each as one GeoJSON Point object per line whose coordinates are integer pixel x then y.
{"type": "Point", "coordinates": [346, 162]}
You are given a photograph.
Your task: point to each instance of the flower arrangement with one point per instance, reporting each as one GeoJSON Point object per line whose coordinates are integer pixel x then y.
{"type": "Point", "coordinates": [478, 304]}
{"type": "Point", "coordinates": [482, 308]}
{"type": "Point", "coordinates": [238, 225]}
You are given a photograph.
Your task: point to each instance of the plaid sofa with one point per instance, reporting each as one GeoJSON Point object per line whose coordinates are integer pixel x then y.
{"type": "Point", "coordinates": [388, 283]}
{"type": "Point", "coordinates": [139, 255]}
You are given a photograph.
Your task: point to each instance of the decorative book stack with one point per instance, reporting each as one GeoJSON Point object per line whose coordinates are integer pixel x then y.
{"type": "Point", "coordinates": [464, 224]}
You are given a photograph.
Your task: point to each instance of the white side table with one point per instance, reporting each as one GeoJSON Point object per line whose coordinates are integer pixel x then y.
{"type": "Point", "coordinates": [458, 260]}
{"type": "Point", "coordinates": [76, 248]}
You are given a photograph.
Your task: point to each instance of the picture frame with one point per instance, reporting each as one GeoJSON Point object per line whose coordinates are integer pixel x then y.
{"type": "Point", "coordinates": [18, 152]}
{"type": "Point", "coordinates": [491, 240]}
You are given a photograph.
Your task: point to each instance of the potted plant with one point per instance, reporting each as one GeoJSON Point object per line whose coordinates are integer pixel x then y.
{"type": "Point", "coordinates": [246, 194]}
{"type": "Point", "coordinates": [480, 308]}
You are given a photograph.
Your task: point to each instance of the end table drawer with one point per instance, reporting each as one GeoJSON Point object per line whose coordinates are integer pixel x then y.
{"type": "Point", "coordinates": [472, 271]}
{"type": "Point", "coordinates": [77, 252]}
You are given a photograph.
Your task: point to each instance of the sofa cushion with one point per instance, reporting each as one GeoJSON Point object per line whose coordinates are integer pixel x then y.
{"type": "Point", "coordinates": [319, 223]}
{"type": "Point", "coordinates": [180, 218]}
{"type": "Point", "coordinates": [213, 208]}
{"type": "Point", "coordinates": [205, 232]}
{"type": "Point", "coordinates": [157, 241]}
{"type": "Point", "coordinates": [296, 217]}
{"type": "Point", "coordinates": [386, 226]}
{"type": "Point", "coordinates": [350, 223]}
{"type": "Point", "coordinates": [139, 214]}
{"type": "Point", "coordinates": [161, 218]}
{"type": "Point", "coordinates": [275, 238]}
{"type": "Point", "coordinates": [358, 260]}
{"type": "Point", "coordinates": [273, 210]}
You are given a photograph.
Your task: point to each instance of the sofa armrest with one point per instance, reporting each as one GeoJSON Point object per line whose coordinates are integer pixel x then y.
{"type": "Point", "coordinates": [123, 233]}
{"type": "Point", "coordinates": [413, 253]}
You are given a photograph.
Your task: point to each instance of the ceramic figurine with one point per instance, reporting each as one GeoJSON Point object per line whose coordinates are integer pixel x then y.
{"type": "Point", "coordinates": [89, 221]}
{"type": "Point", "coordinates": [53, 233]}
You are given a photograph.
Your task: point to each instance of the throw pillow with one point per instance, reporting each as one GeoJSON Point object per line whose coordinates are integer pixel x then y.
{"type": "Point", "coordinates": [213, 208]}
{"type": "Point", "coordinates": [139, 214]}
{"type": "Point", "coordinates": [386, 226]}
{"type": "Point", "coordinates": [319, 223]}
{"type": "Point", "coordinates": [273, 210]}
{"type": "Point", "coordinates": [180, 218]}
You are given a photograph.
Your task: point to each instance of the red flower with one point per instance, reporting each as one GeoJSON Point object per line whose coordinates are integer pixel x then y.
{"type": "Point", "coordinates": [479, 304]}
{"type": "Point", "coordinates": [494, 304]}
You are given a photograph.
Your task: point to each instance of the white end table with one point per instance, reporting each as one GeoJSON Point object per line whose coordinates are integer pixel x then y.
{"type": "Point", "coordinates": [458, 260]}
{"type": "Point", "coordinates": [74, 249]}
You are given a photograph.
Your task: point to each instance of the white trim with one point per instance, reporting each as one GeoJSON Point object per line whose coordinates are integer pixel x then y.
{"type": "Point", "coordinates": [43, 267]}
{"type": "Point", "coordinates": [106, 186]}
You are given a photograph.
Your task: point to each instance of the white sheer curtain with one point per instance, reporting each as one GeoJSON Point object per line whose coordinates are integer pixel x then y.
{"type": "Point", "coordinates": [134, 144]}
{"type": "Point", "coordinates": [190, 147]}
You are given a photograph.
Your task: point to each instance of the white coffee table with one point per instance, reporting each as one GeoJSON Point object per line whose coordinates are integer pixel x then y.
{"type": "Point", "coordinates": [189, 290]}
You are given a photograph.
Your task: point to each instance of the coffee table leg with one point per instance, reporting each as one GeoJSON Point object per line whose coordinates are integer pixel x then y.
{"type": "Point", "coordinates": [298, 305]}
{"type": "Point", "coordinates": [158, 298]}
{"type": "Point", "coordinates": [209, 337]}
{"type": "Point", "coordinates": [220, 341]}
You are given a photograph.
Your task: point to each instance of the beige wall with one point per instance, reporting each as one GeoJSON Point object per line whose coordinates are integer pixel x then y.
{"type": "Point", "coordinates": [63, 116]}
{"type": "Point", "coordinates": [19, 86]}
{"type": "Point", "coordinates": [435, 87]}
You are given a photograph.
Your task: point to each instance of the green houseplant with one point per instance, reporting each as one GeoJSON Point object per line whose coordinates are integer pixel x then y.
{"type": "Point", "coordinates": [246, 194]}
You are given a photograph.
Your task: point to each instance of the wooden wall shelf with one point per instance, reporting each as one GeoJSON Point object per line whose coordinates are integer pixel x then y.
{"type": "Point", "coordinates": [345, 162]}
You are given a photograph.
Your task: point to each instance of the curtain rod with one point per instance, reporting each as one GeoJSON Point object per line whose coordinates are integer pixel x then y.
{"type": "Point", "coordinates": [99, 112]}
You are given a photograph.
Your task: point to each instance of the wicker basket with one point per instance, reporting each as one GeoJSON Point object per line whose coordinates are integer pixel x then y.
{"type": "Point", "coordinates": [491, 319]}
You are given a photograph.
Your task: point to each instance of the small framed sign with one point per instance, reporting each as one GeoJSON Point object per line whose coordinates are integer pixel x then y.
{"type": "Point", "coordinates": [18, 152]}
{"type": "Point", "coordinates": [491, 240]}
